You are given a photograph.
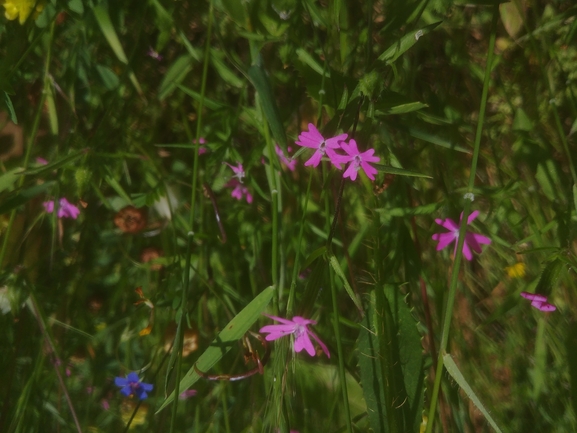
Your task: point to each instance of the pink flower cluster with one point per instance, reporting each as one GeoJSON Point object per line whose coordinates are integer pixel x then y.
{"type": "Point", "coordinates": [65, 209]}
{"type": "Point", "coordinates": [236, 183]}
{"type": "Point", "coordinates": [329, 147]}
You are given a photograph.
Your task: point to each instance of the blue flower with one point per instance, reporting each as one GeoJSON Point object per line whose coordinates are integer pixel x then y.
{"type": "Point", "coordinates": [132, 385]}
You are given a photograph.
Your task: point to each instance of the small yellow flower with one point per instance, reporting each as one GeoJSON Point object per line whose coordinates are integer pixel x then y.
{"type": "Point", "coordinates": [516, 271]}
{"type": "Point", "coordinates": [126, 412]}
{"type": "Point", "coordinates": [22, 9]}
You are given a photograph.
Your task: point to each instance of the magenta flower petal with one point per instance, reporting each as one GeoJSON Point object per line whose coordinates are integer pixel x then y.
{"type": "Point", "coordinates": [472, 240]}
{"type": "Point", "coordinates": [302, 341]}
{"type": "Point", "coordinates": [314, 140]}
{"type": "Point", "coordinates": [298, 327]}
{"type": "Point", "coordinates": [358, 160]}
{"type": "Point", "coordinates": [539, 301]}
{"type": "Point", "coordinates": [534, 297]}
{"type": "Point", "coordinates": [444, 239]}
{"type": "Point", "coordinates": [314, 160]}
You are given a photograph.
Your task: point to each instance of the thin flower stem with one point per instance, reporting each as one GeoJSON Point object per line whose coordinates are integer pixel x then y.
{"type": "Point", "coordinates": [340, 354]}
{"type": "Point", "coordinates": [275, 192]}
{"type": "Point", "coordinates": [199, 117]}
{"type": "Point", "coordinates": [545, 77]}
{"type": "Point", "coordinates": [51, 347]}
{"type": "Point", "coordinates": [34, 132]}
{"type": "Point", "coordinates": [179, 339]}
{"type": "Point", "coordinates": [462, 228]}
{"type": "Point", "coordinates": [291, 297]}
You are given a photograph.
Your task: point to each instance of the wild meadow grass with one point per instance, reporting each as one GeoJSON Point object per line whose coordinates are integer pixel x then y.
{"type": "Point", "coordinates": [283, 215]}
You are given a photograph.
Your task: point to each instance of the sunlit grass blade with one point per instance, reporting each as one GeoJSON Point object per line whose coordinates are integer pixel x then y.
{"type": "Point", "coordinates": [232, 332]}
{"type": "Point", "coordinates": [460, 379]}
{"type": "Point", "coordinates": [103, 19]}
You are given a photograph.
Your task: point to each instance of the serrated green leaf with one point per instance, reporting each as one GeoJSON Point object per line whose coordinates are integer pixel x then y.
{"type": "Point", "coordinates": [549, 277]}
{"type": "Point", "coordinates": [405, 43]}
{"type": "Point", "coordinates": [391, 363]}
{"type": "Point", "coordinates": [260, 81]}
{"type": "Point", "coordinates": [232, 332]}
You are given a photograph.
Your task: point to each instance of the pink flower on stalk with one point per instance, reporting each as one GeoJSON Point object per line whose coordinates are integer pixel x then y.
{"type": "Point", "coordinates": [239, 190]}
{"type": "Point", "coordinates": [357, 159]}
{"type": "Point", "coordinates": [539, 301]}
{"type": "Point", "coordinates": [187, 394]}
{"type": "Point", "coordinates": [238, 171]}
{"type": "Point", "coordinates": [472, 240]}
{"type": "Point", "coordinates": [298, 326]}
{"type": "Point", "coordinates": [65, 210]}
{"type": "Point", "coordinates": [152, 53]}
{"type": "Point", "coordinates": [290, 163]}
{"type": "Point", "coordinates": [313, 139]}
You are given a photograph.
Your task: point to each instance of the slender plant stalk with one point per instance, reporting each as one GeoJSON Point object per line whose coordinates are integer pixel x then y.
{"type": "Point", "coordinates": [199, 117]}
{"type": "Point", "coordinates": [340, 353]}
{"type": "Point", "coordinates": [553, 105]}
{"type": "Point", "coordinates": [34, 132]}
{"type": "Point", "coordinates": [291, 297]}
{"type": "Point", "coordinates": [179, 339]}
{"type": "Point", "coordinates": [33, 305]}
{"type": "Point", "coordinates": [462, 228]}
{"type": "Point", "coordinates": [275, 212]}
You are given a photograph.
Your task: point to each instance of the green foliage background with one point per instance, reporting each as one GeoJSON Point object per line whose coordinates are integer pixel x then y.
{"type": "Point", "coordinates": [120, 127]}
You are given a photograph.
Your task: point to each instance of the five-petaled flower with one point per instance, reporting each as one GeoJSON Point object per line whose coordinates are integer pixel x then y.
{"type": "Point", "coordinates": [239, 190]}
{"type": "Point", "coordinates": [298, 326]}
{"type": "Point", "coordinates": [131, 385]}
{"type": "Point", "coordinates": [472, 240]}
{"type": "Point", "coordinates": [65, 209]}
{"type": "Point", "coordinates": [314, 140]}
{"type": "Point", "coordinates": [238, 171]}
{"type": "Point", "coordinates": [539, 301]}
{"type": "Point", "coordinates": [357, 159]}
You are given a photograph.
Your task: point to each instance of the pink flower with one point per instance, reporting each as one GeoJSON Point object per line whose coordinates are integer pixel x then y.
{"type": "Point", "coordinates": [299, 328]}
{"type": "Point", "coordinates": [65, 210]}
{"type": "Point", "coordinates": [152, 53]}
{"type": "Point", "coordinates": [41, 161]}
{"type": "Point", "coordinates": [238, 171]}
{"type": "Point", "coordinates": [313, 139]}
{"type": "Point", "coordinates": [187, 394]}
{"type": "Point", "coordinates": [539, 301]}
{"type": "Point", "coordinates": [239, 190]}
{"type": "Point", "coordinates": [472, 240]}
{"type": "Point", "coordinates": [357, 159]}
{"type": "Point", "coordinates": [290, 163]}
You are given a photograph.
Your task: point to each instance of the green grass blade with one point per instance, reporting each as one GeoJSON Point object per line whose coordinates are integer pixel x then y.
{"type": "Point", "coordinates": [405, 43]}
{"type": "Point", "coordinates": [261, 83]}
{"type": "Point", "coordinates": [337, 268]}
{"type": "Point", "coordinates": [105, 24]}
{"type": "Point", "coordinates": [460, 379]}
{"type": "Point", "coordinates": [234, 331]}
